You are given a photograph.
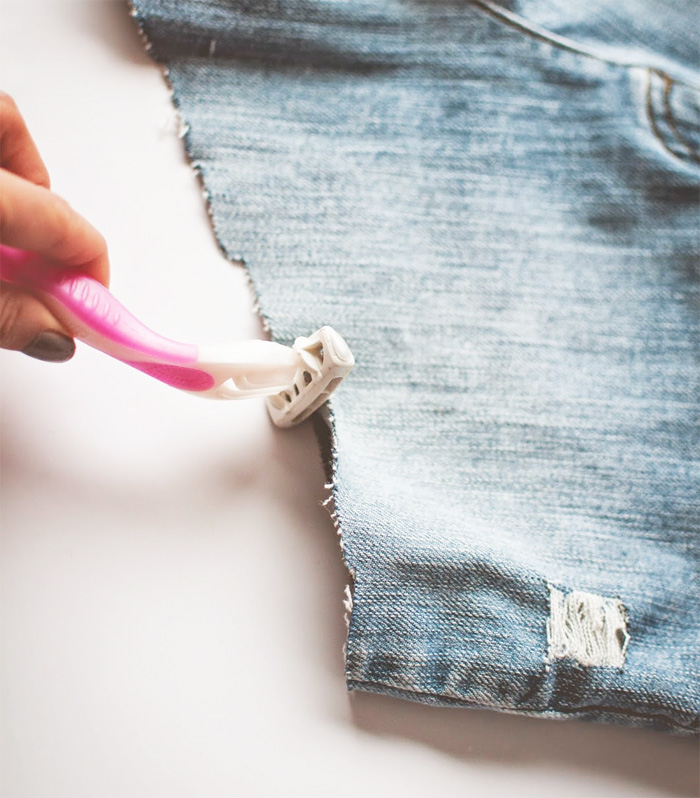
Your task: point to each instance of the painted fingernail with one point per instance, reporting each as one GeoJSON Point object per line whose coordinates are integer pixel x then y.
{"type": "Point", "coordinates": [51, 346]}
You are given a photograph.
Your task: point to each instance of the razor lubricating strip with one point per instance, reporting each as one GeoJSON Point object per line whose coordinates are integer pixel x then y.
{"type": "Point", "coordinates": [303, 375]}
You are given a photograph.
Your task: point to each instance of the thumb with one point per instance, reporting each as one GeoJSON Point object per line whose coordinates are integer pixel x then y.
{"type": "Point", "coordinates": [28, 326]}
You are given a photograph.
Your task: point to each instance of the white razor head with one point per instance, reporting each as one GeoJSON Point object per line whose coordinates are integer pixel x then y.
{"type": "Point", "coordinates": [327, 360]}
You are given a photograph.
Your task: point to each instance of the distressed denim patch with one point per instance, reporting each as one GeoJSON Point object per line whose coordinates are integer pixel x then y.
{"type": "Point", "coordinates": [502, 221]}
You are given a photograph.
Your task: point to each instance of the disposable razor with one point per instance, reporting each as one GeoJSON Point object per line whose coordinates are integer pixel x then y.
{"type": "Point", "coordinates": [296, 379]}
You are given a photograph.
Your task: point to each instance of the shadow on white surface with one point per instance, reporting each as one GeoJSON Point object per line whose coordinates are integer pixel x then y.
{"type": "Point", "coordinates": [657, 763]}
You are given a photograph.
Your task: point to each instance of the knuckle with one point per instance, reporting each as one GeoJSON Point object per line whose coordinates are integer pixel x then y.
{"type": "Point", "coordinates": [100, 243]}
{"type": "Point", "coordinates": [72, 237]}
{"type": "Point", "coordinates": [61, 209]}
{"type": "Point", "coordinates": [63, 222]}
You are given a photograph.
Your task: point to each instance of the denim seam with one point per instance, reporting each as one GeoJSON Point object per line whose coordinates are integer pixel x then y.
{"type": "Point", "coordinates": [663, 112]}
{"type": "Point", "coordinates": [561, 42]}
{"type": "Point", "coordinates": [673, 125]}
{"type": "Point", "coordinates": [521, 24]}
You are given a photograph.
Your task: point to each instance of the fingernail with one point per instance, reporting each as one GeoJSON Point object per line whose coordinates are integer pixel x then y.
{"type": "Point", "coordinates": [51, 346]}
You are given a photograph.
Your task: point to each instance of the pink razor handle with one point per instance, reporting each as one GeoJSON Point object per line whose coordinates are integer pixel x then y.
{"type": "Point", "coordinates": [90, 313]}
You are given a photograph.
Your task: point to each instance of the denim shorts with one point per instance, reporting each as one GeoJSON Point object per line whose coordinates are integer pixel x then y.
{"type": "Point", "coordinates": [497, 206]}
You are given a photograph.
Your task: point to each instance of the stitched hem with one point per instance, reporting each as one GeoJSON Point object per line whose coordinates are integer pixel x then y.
{"type": "Point", "coordinates": [593, 712]}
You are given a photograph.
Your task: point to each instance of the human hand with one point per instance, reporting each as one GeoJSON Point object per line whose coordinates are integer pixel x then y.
{"type": "Point", "coordinates": [33, 218]}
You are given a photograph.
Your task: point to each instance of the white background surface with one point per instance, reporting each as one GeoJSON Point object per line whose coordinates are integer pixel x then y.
{"type": "Point", "coordinates": [172, 617]}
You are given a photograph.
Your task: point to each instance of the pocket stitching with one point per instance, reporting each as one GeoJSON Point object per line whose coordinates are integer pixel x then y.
{"type": "Point", "coordinates": [663, 112]}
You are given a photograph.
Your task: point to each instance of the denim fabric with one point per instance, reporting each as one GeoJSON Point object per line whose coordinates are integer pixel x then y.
{"type": "Point", "coordinates": [501, 217]}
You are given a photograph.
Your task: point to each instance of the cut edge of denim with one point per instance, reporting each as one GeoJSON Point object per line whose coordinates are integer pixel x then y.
{"type": "Point", "coordinates": [323, 420]}
{"type": "Point", "coordinates": [183, 128]}
{"type": "Point", "coordinates": [324, 428]}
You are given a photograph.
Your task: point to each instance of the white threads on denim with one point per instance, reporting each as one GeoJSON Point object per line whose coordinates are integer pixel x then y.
{"type": "Point", "coordinates": [348, 598]}
{"type": "Point", "coordinates": [588, 628]}
{"type": "Point", "coordinates": [347, 604]}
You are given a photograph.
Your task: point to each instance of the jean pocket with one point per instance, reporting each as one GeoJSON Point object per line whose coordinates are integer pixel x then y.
{"type": "Point", "coordinates": [674, 115]}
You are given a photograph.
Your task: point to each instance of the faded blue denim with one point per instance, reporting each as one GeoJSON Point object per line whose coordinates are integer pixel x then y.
{"type": "Point", "coordinates": [497, 206]}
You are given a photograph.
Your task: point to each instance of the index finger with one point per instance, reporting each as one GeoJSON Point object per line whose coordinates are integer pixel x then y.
{"type": "Point", "coordinates": [36, 219]}
{"type": "Point", "coordinates": [18, 152]}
